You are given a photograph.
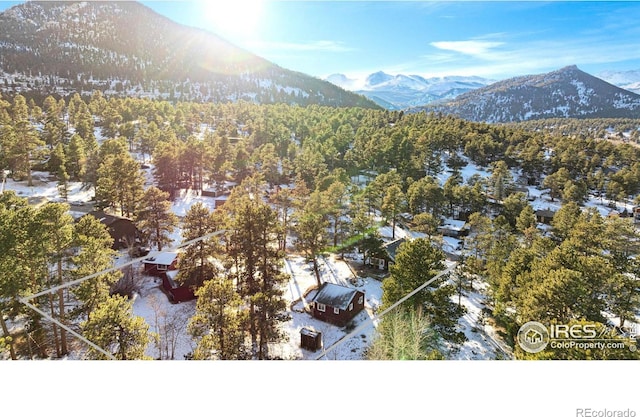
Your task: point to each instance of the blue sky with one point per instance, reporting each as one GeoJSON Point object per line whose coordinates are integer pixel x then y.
{"type": "Point", "coordinates": [497, 39]}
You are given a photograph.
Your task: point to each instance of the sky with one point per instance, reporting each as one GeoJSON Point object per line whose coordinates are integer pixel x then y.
{"type": "Point", "coordinates": [496, 39]}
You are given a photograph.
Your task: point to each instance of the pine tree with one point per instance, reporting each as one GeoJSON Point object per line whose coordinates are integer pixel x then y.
{"type": "Point", "coordinates": [252, 242]}
{"type": "Point", "coordinates": [311, 229]}
{"type": "Point", "coordinates": [93, 255]}
{"type": "Point", "coordinates": [119, 183]}
{"type": "Point", "coordinates": [113, 327]}
{"type": "Point", "coordinates": [218, 324]}
{"type": "Point", "coordinates": [56, 228]}
{"type": "Point", "coordinates": [76, 158]}
{"type": "Point", "coordinates": [167, 172]}
{"type": "Point", "coordinates": [15, 219]}
{"type": "Point", "coordinates": [196, 261]}
{"type": "Point", "coordinates": [417, 261]}
{"type": "Point", "coordinates": [392, 205]}
{"type": "Point", "coordinates": [336, 199]}
{"type": "Point", "coordinates": [405, 334]}
{"type": "Point", "coordinates": [21, 140]}
{"type": "Point", "coordinates": [155, 220]}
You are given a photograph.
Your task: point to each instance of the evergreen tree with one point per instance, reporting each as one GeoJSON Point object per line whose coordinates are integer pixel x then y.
{"type": "Point", "coordinates": [155, 220]}
{"type": "Point", "coordinates": [252, 242]}
{"type": "Point", "coordinates": [93, 255]}
{"type": "Point", "coordinates": [417, 261]}
{"type": "Point", "coordinates": [336, 200]}
{"type": "Point", "coordinates": [21, 140]}
{"type": "Point", "coordinates": [196, 261]}
{"type": "Point", "coordinates": [76, 158]}
{"type": "Point", "coordinates": [392, 206]}
{"type": "Point", "coordinates": [119, 183]}
{"type": "Point", "coordinates": [167, 171]}
{"type": "Point", "coordinates": [311, 229]}
{"type": "Point", "coordinates": [405, 334]}
{"type": "Point", "coordinates": [113, 327]}
{"type": "Point", "coordinates": [218, 324]}
{"type": "Point", "coordinates": [56, 228]}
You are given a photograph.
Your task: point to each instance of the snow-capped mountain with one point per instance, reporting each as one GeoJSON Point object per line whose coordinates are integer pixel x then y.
{"type": "Point", "coordinates": [125, 48]}
{"type": "Point", "coordinates": [565, 93]}
{"type": "Point", "coordinates": [396, 92]}
{"type": "Point", "coordinates": [629, 80]}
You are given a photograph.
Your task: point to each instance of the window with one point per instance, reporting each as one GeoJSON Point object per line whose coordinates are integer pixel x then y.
{"type": "Point", "coordinates": [320, 307]}
{"type": "Point", "coordinates": [360, 299]}
{"type": "Point", "coordinates": [350, 306]}
{"type": "Point", "coordinates": [336, 310]}
{"type": "Point", "coordinates": [161, 267]}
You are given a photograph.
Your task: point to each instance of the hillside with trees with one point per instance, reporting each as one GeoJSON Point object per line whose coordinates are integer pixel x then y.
{"type": "Point", "coordinates": [319, 177]}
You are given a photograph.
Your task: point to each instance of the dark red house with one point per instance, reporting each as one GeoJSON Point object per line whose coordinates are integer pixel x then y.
{"type": "Point", "coordinates": [337, 304]}
{"type": "Point", "coordinates": [160, 262]}
{"type": "Point", "coordinates": [176, 293]}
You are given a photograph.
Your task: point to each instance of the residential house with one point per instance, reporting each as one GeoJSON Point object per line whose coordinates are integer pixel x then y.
{"type": "Point", "coordinates": [636, 214]}
{"type": "Point", "coordinates": [387, 256]}
{"type": "Point", "coordinates": [122, 230]}
{"type": "Point", "coordinates": [544, 216]}
{"type": "Point", "coordinates": [175, 292]}
{"type": "Point", "coordinates": [453, 228]}
{"type": "Point", "coordinates": [337, 304]}
{"type": "Point", "coordinates": [158, 263]}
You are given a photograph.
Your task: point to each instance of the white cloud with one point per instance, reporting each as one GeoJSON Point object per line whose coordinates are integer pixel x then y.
{"type": "Point", "coordinates": [471, 47]}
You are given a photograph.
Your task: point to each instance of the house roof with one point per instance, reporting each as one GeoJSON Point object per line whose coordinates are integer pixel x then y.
{"type": "Point", "coordinates": [335, 295]}
{"type": "Point", "coordinates": [545, 213]}
{"type": "Point", "coordinates": [106, 219]}
{"type": "Point", "coordinates": [161, 258]}
{"type": "Point", "coordinates": [392, 247]}
{"type": "Point", "coordinates": [452, 224]}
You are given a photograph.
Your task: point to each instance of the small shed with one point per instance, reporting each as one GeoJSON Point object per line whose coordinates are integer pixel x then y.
{"type": "Point", "coordinates": [310, 339]}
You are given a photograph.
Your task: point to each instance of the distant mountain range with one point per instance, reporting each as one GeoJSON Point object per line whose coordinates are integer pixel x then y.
{"type": "Point", "coordinates": [629, 80]}
{"type": "Point", "coordinates": [565, 93]}
{"type": "Point", "coordinates": [397, 92]}
{"type": "Point", "coordinates": [126, 49]}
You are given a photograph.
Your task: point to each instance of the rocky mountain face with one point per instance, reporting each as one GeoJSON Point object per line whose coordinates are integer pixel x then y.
{"type": "Point", "coordinates": [565, 93]}
{"type": "Point", "coordinates": [398, 92]}
{"type": "Point", "coordinates": [125, 48]}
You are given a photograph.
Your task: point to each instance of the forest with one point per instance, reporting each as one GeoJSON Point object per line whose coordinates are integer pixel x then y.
{"type": "Point", "coordinates": [297, 172]}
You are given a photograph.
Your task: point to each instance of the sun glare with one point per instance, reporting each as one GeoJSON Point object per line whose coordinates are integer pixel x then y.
{"type": "Point", "coordinates": [235, 18]}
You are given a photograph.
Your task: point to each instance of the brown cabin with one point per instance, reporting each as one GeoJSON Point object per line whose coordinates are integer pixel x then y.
{"type": "Point", "coordinates": [386, 256]}
{"type": "Point", "coordinates": [337, 304]}
{"type": "Point", "coordinates": [122, 230]}
{"type": "Point", "coordinates": [545, 216]}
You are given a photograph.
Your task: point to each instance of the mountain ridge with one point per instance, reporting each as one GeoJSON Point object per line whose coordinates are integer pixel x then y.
{"type": "Point", "coordinates": [567, 92]}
